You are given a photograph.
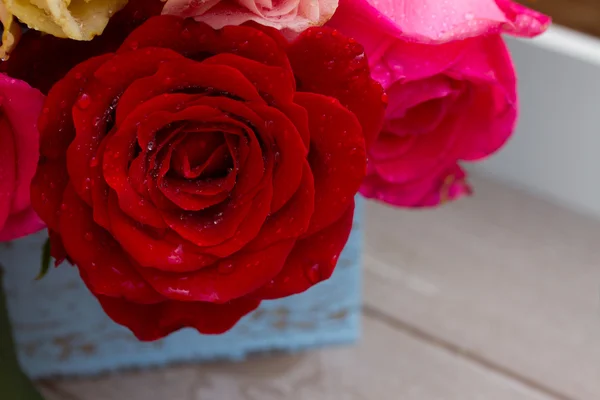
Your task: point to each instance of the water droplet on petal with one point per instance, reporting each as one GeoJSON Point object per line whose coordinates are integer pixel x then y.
{"type": "Point", "coordinates": [89, 236]}
{"type": "Point", "coordinates": [384, 98]}
{"type": "Point", "coordinates": [176, 255]}
{"type": "Point", "coordinates": [313, 273]}
{"type": "Point", "coordinates": [84, 101]}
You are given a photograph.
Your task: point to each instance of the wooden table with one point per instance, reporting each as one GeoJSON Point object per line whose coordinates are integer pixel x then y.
{"type": "Point", "coordinates": [492, 298]}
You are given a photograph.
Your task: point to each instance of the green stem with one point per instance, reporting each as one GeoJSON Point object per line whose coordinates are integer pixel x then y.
{"type": "Point", "coordinates": [14, 384]}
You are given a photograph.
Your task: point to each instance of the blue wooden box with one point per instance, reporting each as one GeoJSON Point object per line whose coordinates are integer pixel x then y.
{"type": "Point", "coordinates": [61, 330]}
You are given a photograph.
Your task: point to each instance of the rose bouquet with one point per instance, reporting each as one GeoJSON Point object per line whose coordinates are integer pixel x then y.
{"type": "Point", "coordinates": [193, 159]}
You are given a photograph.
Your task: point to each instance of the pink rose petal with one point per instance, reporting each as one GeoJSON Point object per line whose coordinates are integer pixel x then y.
{"type": "Point", "coordinates": [294, 15]}
{"type": "Point", "coordinates": [19, 148]}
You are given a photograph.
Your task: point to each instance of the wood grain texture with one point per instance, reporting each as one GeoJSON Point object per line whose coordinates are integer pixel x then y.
{"type": "Point", "coordinates": [582, 15]}
{"type": "Point", "coordinates": [511, 280]}
{"type": "Point", "coordinates": [386, 365]}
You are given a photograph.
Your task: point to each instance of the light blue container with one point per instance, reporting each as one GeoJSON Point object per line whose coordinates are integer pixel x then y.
{"type": "Point", "coordinates": [61, 330]}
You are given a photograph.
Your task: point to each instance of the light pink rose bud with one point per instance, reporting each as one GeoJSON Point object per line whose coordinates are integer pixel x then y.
{"type": "Point", "coordinates": [294, 15]}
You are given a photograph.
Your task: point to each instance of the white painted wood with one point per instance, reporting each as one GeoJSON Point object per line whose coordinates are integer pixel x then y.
{"type": "Point", "coordinates": [504, 276]}
{"type": "Point", "coordinates": [555, 149]}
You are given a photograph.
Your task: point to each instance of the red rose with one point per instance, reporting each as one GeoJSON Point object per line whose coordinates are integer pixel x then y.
{"type": "Point", "coordinates": [197, 172]}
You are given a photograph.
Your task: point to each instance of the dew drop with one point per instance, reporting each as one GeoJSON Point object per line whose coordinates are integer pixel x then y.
{"type": "Point", "coordinates": [384, 98]}
{"type": "Point", "coordinates": [176, 255]}
{"type": "Point", "coordinates": [313, 273]}
{"type": "Point", "coordinates": [89, 236]}
{"type": "Point", "coordinates": [84, 101]}
{"type": "Point", "coordinates": [133, 45]}
{"type": "Point", "coordinates": [94, 162]}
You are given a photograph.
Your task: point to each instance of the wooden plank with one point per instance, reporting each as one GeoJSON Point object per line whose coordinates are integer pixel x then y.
{"type": "Point", "coordinates": [387, 364]}
{"type": "Point", "coordinates": [508, 278]}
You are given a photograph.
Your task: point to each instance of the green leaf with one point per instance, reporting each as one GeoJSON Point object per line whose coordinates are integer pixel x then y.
{"type": "Point", "coordinates": [46, 259]}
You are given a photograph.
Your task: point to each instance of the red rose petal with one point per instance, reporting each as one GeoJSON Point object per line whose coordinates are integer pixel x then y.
{"type": "Point", "coordinates": [249, 227]}
{"type": "Point", "coordinates": [180, 192]}
{"type": "Point", "coordinates": [252, 164]}
{"type": "Point", "coordinates": [192, 158]}
{"type": "Point", "coordinates": [98, 256]}
{"type": "Point", "coordinates": [299, 118]}
{"type": "Point", "coordinates": [151, 249]}
{"type": "Point", "coordinates": [197, 40]}
{"type": "Point", "coordinates": [120, 148]}
{"type": "Point", "coordinates": [326, 62]}
{"type": "Point", "coordinates": [47, 189]}
{"type": "Point", "coordinates": [312, 260]}
{"type": "Point", "coordinates": [174, 76]}
{"type": "Point", "coordinates": [212, 228]}
{"type": "Point", "coordinates": [275, 84]}
{"type": "Point", "coordinates": [231, 278]}
{"type": "Point", "coordinates": [337, 157]}
{"type": "Point", "coordinates": [152, 322]}
{"type": "Point", "coordinates": [93, 109]}
{"type": "Point", "coordinates": [56, 121]}
{"type": "Point", "coordinates": [290, 153]}
{"type": "Point", "coordinates": [292, 220]}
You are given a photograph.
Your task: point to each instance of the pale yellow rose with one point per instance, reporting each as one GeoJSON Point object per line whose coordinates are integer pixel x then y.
{"type": "Point", "coordinates": [11, 34]}
{"type": "Point", "coordinates": [75, 19]}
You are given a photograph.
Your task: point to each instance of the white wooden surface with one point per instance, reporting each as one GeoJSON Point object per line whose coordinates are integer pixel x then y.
{"type": "Point", "coordinates": [554, 150]}
{"type": "Point", "coordinates": [493, 298]}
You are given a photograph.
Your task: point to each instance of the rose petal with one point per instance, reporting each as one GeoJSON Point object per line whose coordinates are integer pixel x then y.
{"type": "Point", "coordinates": [325, 62]}
{"type": "Point", "coordinates": [231, 278]}
{"type": "Point", "coordinates": [152, 322]}
{"type": "Point", "coordinates": [337, 157]}
{"type": "Point", "coordinates": [312, 260]}
{"type": "Point", "coordinates": [102, 263]}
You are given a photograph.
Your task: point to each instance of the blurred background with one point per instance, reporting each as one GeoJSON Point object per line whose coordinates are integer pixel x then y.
{"type": "Point", "coordinates": [582, 15]}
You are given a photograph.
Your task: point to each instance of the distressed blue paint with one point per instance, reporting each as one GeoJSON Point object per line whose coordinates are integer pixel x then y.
{"type": "Point", "coordinates": [61, 329]}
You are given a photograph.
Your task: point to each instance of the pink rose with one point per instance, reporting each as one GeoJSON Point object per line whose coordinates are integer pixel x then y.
{"type": "Point", "coordinates": [295, 15]}
{"type": "Point", "coordinates": [449, 101]}
{"type": "Point", "coordinates": [19, 153]}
